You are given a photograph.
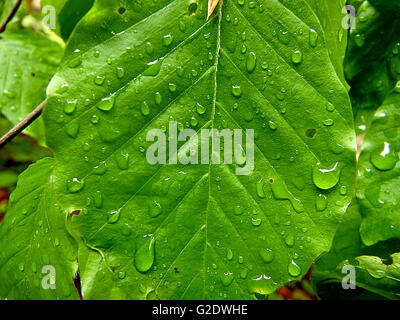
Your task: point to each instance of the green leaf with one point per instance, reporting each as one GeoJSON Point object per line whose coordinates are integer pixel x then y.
{"type": "Point", "coordinates": [34, 237]}
{"type": "Point", "coordinates": [69, 13]}
{"type": "Point", "coordinates": [28, 59]}
{"type": "Point", "coordinates": [199, 231]}
{"type": "Point", "coordinates": [379, 175]}
{"type": "Point", "coordinates": [5, 8]}
{"type": "Point", "coordinates": [335, 35]}
{"type": "Point", "coordinates": [376, 267]}
{"type": "Point", "coordinates": [372, 65]}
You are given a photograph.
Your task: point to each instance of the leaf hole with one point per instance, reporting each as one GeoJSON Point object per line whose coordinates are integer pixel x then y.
{"type": "Point", "coordinates": [121, 10]}
{"type": "Point", "coordinates": [311, 133]}
{"type": "Point", "coordinates": [192, 9]}
{"type": "Point", "coordinates": [271, 180]}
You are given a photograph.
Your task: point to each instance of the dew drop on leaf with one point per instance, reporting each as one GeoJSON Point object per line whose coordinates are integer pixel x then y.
{"type": "Point", "coordinates": [297, 57]}
{"type": "Point", "coordinates": [113, 216]}
{"type": "Point", "coordinates": [267, 255]}
{"type": "Point", "coordinates": [75, 185]}
{"type": "Point", "coordinates": [385, 158]}
{"type": "Point", "coordinates": [326, 178]}
{"type": "Point", "coordinates": [237, 91]}
{"type": "Point", "coordinates": [321, 202]}
{"type": "Point", "coordinates": [251, 62]}
{"type": "Point", "coordinates": [144, 255]}
{"type": "Point", "coordinates": [227, 279]}
{"type": "Point", "coordinates": [294, 269]}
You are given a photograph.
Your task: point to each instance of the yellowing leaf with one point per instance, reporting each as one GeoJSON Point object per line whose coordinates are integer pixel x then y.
{"type": "Point", "coordinates": [211, 7]}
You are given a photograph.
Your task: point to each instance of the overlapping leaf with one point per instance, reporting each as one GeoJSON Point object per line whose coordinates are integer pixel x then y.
{"type": "Point", "coordinates": [187, 232]}
{"type": "Point", "coordinates": [34, 237]}
{"type": "Point", "coordinates": [28, 60]}
{"type": "Point", "coordinates": [379, 175]}
{"type": "Point", "coordinates": [68, 14]}
{"type": "Point", "coordinates": [376, 267]}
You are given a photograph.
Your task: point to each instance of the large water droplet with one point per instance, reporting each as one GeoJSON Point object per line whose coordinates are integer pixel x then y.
{"type": "Point", "coordinates": [294, 269]}
{"type": "Point", "coordinates": [326, 178]}
{"type": "Point", "coordinates": [144, 255]}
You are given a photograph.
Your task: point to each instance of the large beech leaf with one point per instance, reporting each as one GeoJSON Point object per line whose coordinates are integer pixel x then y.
{"type": "Point", "coordinates": [199, 231]}
{"type": "Point", "coordinates": [33, 237]}
{"type": "Point", "coordinates": [28, 60]}
{"type": "Point", "coordinates": [379, 175]}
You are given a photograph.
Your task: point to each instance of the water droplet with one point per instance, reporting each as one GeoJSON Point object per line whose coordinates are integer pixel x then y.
{"type": "Point", "coordinates": [260, 189]}
{"type": "Point", "coordinates": [267, 255]}
{"type": "Point", "coordinates": [172, 87]}
{"type": "Point", "coordinates": [251, 62]}
{"type": "Point", "coordinates": [70, 107]}
{"type": "Point", "coordinates": [155, 209]}
{"type": "Point", "coordinates": [99, 80]}
{"type": "Point", "coordinates": [167, 40]}
{"type": "Point", "coordinates": [98, 199]}
{"type": "Point", "coordinates": [9, 94]}
{"type": "Point", "coordinates": [297, 57]}
{"type": "Point", "coordinates": [229, 254]}
{"type": "Point", "coordinates": [385, 158]}
{"type": "Point", "coordinates": [256, 222]}
{"type": "Point", "coordinates": [145, 109]}
{"type": "Point", "coordinates": [122, 159]}
{"type": "Point", "coordinates": [200, 109]}
{"type": "Point", "coordinates": [289, 240]}
{"type": "Point", "coordinates": [144, 255]}
{"type": "Point", "coordinates": [294, 269]}
{"type": "Point", "coordinates": [72, 129]}
{"type": "Point", "coordinates": [75, 185]}
{"type": "Point", "coordinates": [326, 178]}
{"type": "Point", "coordinates": [113, 217]}
{"type": "Point", "coordinates": [227, 279]}
{"type": "Point", "coordinates": [321, 202]}
{"type": "Point", "coordinates": [120, 72]}
{"type": "Point", "coordinates": [154, 68]}
{"type": "Point", "coordinates": [236, 91]}
{"type": "Point", "coordinates": [281, 192]}
{"type": "Point", "coordinates": [158, 98]}
{"type": "Point", "coordinates": [106, 104]}
{"type": "Point", "coordinates": [313, 37]}
{"type": "Point", "coordinates": [262, 285]}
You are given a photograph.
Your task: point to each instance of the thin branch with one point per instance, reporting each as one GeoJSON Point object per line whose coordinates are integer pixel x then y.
{"type": "Point", "coordinates": [11, 15]}
{"type": "Point", "coordinates": [22, 125]}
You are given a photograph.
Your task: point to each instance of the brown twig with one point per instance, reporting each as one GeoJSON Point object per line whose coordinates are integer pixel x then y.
{"type": "Point", "coordinates": [22, 125]}
{"type": "Point", "coordinates": [10, 15]}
